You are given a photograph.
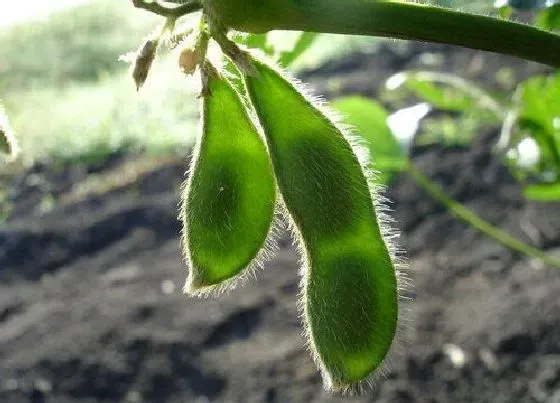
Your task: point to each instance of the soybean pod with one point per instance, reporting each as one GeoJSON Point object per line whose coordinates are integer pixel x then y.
{"type": "Point", "coordinates": [350, 293]}
{"type": "Point", "coordinates": [229, 200]}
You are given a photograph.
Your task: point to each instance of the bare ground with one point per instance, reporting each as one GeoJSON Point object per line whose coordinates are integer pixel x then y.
{"type": "Point", "coordinates": [91, 308]}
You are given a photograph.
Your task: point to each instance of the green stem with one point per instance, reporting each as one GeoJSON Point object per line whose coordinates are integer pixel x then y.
{"type": "Point", "coordinates": [387, 18]}
{"type": "Point", "coordinates": [463, 213]}
{"type": "Point", "coordinates": [481, 97]}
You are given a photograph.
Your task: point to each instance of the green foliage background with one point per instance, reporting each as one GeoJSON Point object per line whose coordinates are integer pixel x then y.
{"type": "Point", "coordinates": [70, 98]}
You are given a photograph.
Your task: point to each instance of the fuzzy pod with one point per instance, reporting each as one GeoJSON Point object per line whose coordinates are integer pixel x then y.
{"type": "Point", "coordinates": [350, 293]}
{"type": "Point", "coordinates": [229, 199]}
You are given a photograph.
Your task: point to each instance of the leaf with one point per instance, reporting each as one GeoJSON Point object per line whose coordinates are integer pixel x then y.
{"type": "Point", "coordinates": [258, 41]}
{"type": "Point", "coordinates": [369, 119]}
{"type": "Point", "coordinates": [304, 42]}
{"type": "Point", "coordinates": [539, 116]}
{"type": "Point", "coordinates": [549, 18]}
{"type": "Point", "coordinates": [448, 92]}
{"type": "Point", "coordinates": [229, 200]}
{"type": "Point", "coordinates": [543, 192]}
{"type": "Point", "coordinates": [443, 97]}
{"type": "Point", "coordinates": [255, 41]}
{"type": "Point", "coordinates": [350, 283]}
{"type": "Point", "coordinates": [286, 47]}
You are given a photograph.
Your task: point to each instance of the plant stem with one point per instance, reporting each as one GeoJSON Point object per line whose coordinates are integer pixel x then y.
{"type": "Point", "coordinates": [483, 98]}
{"type": "Point", "coordinates": [159, 8]}
{"type": "Point", "coordinates": [463, 213]}
{"type": "Point", "coordinates": [388, 18]}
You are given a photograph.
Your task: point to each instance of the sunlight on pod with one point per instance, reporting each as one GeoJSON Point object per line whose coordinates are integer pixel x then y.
{"type": "Point", "coordinates": [230, 197]}
{"type": "Point", "coordinates": [350, 284]}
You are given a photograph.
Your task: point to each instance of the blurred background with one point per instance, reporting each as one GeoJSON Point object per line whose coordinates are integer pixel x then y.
{"type": "Point", "coordinates": [91, 270]}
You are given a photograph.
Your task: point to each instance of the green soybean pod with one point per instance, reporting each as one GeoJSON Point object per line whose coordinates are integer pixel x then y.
{"type": "Point", "coordinates": [229, 199]}
{"type": "Point", "coordinates": [350, 291]}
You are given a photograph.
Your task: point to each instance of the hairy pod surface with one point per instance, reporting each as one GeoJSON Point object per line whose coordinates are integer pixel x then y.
{"type": "Point", "coordinates": [350, 286]}
{"type": "Point", "coordinates": [229, 200]}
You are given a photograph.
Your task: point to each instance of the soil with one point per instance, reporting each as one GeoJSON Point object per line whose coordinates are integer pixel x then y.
{"type": "Point", "coordinates": [91, 308]}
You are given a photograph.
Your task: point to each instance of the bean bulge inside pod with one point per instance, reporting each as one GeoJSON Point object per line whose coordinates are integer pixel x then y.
{"type": "Point", "coordinates": [350, 298]}
{"type": "Point", "coordinates": [229, 200]}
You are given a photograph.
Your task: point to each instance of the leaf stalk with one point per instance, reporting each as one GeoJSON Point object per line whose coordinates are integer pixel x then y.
{"type": "Point", "coordinates": [468, 216]}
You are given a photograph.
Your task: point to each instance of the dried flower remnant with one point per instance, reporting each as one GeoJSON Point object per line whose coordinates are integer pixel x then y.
{"type": "Point", "coordinates": [8, 143]}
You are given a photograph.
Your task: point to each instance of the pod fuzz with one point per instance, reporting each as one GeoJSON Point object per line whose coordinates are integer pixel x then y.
{"type": "Point", "coordinates": [350, 285]}
{"type": "Point", "coordinates": [230, 197]}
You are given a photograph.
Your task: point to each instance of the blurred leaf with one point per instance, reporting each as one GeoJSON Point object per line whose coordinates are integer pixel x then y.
{"type": "Point", "coordinates": [255, 41]}
{"type": "Point", "coordinates": [447, 91]}
{"type": "Point", "coordinates": [540, 100]}
{"type": "Point", "coordinates": [285, 46]}
{"type": "Point", "coordinates": [505, 12]}
{"type": "Point", "coordinates": [442, 97]}
{"type": "Point", "coordinates": [449, 130]}
{"type": "Point", "coordinates": [549, 18]}
{"type": "Point", "coordinates": [304, 42]}
{"type": "Point", "coordinates": [537, 120]}
{"type": "Point", "coordinates": [369, 119]}
{"type": "Point", "coordinates": [543, 192]}
{"type": "Point", "coordinates": [463, 106]}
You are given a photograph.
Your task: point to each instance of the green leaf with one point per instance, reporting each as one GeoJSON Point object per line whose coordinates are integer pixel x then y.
{"type": "Point", "coordinates": [549, 18]}
{"type": "Point", "coordinates": [448, 92]}
{"type": "Point", "coordinates": [541, 100]}
{"type": "Point", "coordinates": [304, 42]}
{"type": "Point", "coordinates": [450, 131]}
{"type": "Point", "coordinates": [350, 283]}
{"type": "Point", "coordinates": [539, 117]}
{"type": "Point", "coordinates": [442, 97]}
{"type": "Point", "coordinates": [255, 41]}
{"type": "Point", "coordinates": [228, 204]}
{"type": "Point", "coordinates": [543, 192]}
{"type": "Point", "coordinates": [369, 119]}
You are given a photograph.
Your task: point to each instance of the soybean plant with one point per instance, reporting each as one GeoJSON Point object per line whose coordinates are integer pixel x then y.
{"type": "Point", "coordinates": [267, 146]}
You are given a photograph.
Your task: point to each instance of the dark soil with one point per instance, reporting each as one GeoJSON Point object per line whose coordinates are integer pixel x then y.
{"type": "Point", "coordinates": [91, 308]}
